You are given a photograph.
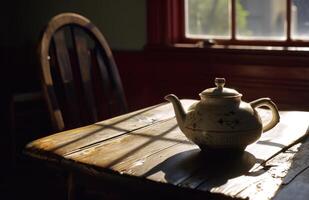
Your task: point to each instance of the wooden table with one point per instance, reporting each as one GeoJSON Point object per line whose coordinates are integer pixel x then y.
{"type": "Point", "coordinates": [146, 151]}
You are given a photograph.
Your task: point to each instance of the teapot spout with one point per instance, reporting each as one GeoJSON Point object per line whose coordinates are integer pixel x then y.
{"type": "Point", "coordinates": [179, 111]}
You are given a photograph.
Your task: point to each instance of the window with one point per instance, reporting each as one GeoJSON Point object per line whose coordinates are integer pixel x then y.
{"type": "Point", "coordinates": [261, 22]}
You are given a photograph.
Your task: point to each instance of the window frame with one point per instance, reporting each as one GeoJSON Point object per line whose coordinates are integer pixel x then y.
{"type": "Point", "coordinates": [166, 27]}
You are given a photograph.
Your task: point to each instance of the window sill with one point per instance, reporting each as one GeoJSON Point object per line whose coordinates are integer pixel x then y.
{"type": "Point", "coordinates": [244, 47]}
{"type": "Point", "coordinates": [238, 49]}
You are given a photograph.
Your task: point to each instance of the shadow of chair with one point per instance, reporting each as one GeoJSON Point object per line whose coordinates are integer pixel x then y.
{"type": "Point", "coordinates": [80, 79]}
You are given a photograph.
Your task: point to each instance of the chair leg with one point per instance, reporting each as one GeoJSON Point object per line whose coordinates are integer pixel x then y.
{"type": "Point", "coordinates": [72, 193]}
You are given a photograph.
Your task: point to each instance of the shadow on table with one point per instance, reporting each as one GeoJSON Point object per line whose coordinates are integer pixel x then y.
{"type": "Point", "coordinates": [194, 167]}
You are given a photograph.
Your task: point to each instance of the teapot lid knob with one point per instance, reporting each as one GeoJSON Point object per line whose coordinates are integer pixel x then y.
{"type": "Point", "coordinates": [220, 91]}
{"type": "Point", "coordinates": [220, 82]}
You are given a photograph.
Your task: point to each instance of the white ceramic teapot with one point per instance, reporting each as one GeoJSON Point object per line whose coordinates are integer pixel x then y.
{"type": "Point", "coordinates": [221, 120]}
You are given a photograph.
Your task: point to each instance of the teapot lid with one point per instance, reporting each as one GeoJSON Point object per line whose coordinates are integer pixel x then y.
{"type": "Point", "coordinates": [220, 91]}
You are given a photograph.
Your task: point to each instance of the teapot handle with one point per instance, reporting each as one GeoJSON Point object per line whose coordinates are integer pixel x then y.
{"type": "Point", "coordinates": [274, 110]}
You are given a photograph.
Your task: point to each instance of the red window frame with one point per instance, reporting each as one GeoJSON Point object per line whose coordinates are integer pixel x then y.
{"type": "Point", "coordinates": [166, 27]}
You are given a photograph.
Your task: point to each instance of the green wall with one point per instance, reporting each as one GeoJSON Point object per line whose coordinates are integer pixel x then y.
{"type": "Point", "coordinates": [122, 22]}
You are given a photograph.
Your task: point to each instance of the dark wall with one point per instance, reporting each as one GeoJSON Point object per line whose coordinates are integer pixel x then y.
{"type": "Point", "coordinates": [123, 23]}
{"type": "Point", "coordinates": [281, 75]}
{"type": "Point", "coordinates": [24, 21]}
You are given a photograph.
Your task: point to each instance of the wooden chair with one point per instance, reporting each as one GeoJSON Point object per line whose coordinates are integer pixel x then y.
{"type": "Point", "coordinates": [80, 79]}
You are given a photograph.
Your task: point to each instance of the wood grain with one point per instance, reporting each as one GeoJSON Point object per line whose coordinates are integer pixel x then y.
{"type": "Point", "coordinates": [85, 67]}
{"type": "Point", "coordinates": [293, 125]}
{"type": "Point", "coordinates": [257, 174]}
{"type": "Point", "coordinates": [157, 151]}
{"type": "Point", "coordinates": [65, 72]}
{"type": "Point", "coordinates": [82, 108]}
{"type": "Point", "coordinates": [295, 185]}
{"type": "Point", "coordinates": [70, 141]}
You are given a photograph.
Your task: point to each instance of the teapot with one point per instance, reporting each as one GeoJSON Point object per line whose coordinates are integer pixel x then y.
{"type": "Point", "coordinates": [221, 120]}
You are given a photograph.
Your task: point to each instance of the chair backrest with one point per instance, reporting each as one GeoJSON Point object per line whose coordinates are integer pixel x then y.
{"type": "Point", "coordinates": [80, 79]}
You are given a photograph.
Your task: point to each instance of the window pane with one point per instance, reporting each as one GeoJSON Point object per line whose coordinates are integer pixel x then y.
{"type": "Point", "coordinates": [207, 18]}
{"type": "Point", "coordinates": [300, 19]}
{"type": "Point", "coordinates": [261, 19]}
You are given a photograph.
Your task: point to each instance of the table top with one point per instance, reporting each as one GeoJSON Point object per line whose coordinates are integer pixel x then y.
{"type": "Point", "coordinates": [147, 144]}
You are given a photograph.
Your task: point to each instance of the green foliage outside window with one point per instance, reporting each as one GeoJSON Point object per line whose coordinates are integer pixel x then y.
{"type": "Point", "coordinates": [212, 17]}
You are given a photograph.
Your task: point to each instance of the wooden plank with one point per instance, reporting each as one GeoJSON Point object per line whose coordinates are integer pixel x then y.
{"type": "Point", "coordinates": [195, 168]}
{"type": "Point", "coordinates": [217, 169]}
{"type": "Point", "coordinates": [297, 190]}
{"type": "Point", "coordinates": [261, 183]}
{"type": "Point", "coordinates": [137, 153]}
{"type": "Point", "coordinates": [296, 183]}
{"type": "Point", "coordinates": [181, 163]}
{"type": "Point", "coordinates": [117, 153]}
{"type": "Point", "coordinates": [300, 163]}
{"type": "Point", "coordinates": [84, 63]}
{"type": "Point", "coordinates": [158, 151]}
{"type": "Point", "coordinates": [106, 82]}
{"type": "Point", "coordinates": [64, 65]}
{"type": "Point", "coordinates": [66, 142]}
{"type": "Point", "coordinates": [293, 125]}
{"type": "Point", "coordinates": [151, 165]}
{"type": "Point", "coordinates": [111, 83]}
